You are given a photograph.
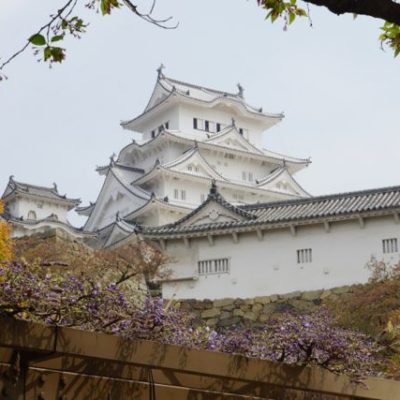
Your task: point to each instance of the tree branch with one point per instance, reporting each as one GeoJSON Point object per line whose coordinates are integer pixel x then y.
{"type": "Point", "coordinates": [387, 10]}
{"type": "Point", "coordinates": [44, 27]}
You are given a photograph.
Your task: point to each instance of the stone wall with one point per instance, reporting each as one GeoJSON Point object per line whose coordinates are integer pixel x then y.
{"type": "Point", "coordinates": [225, 313]}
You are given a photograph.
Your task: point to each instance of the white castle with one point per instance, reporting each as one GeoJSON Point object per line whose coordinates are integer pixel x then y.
{"type": "Point", "coordinates": [191, 135]}
{"type": "Point", "coordinates": [228, 212]}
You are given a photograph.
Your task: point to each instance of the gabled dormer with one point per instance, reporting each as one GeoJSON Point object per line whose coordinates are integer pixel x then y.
{"type": "Point", "coordinates": [282, 181]}
{"type": "Point", "coordinates": [214, 210]}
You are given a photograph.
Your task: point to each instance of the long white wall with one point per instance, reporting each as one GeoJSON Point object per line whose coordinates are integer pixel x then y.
{"type": "Point", "coordinates": [269, 266]}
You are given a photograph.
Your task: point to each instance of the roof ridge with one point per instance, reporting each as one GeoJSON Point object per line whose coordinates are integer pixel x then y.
{"type": "Point", "coordinates": [50, 189]}
{"type": "Point", "coordinates": [313, 199]}
{"type": "Point", "coordinates": [200, 87]}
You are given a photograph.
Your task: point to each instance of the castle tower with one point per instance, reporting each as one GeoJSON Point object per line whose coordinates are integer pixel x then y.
{"type": "Point", "coordinates": [191, 135]}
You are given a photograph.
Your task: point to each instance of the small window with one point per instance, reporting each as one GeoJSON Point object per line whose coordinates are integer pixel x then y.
{"type": "Point", "coordinates": [166, 125]}
{"type": "Point", "coordinates": [153, 134]}
{"type": "Point", "coordinates": [244, 175]}
{"type": "Point", "coordinates": [304, 256]}
{"type": "Point", "coordinates": [183, 194]}
{"type": "Point", "coordinates": [207, 126]}
{"type": "Point", "coordinates": [194, 123]}
{"type": "Point", "coordinates": [217, 266]}
{"type": "Point", "coordinates": [390, 246]}
{"type": "Point", "coordinates": [176, 193]}
{"type": "Point", "coordinates": [241, 131]}
{"type": "Point", "coordinates": [250, 177]}
{"type": "Point", "coordinates": [32, 215]}
{"type": "Point", "coordinates": [218, 126]}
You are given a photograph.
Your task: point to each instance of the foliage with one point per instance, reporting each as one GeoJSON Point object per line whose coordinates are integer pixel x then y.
{"type": "Point", "coordinates": [35, 293]}
{"type": "Point", "coordinates": [382, 271]}
{"type": "Point", "coordinates": [391, 36]}
{"type": "Point", "coordinates": [310, 340]}
{"type": "Point", "coordinates": [122, 265]}
{"type": "Point", "coordinates": [6, 243]}
{"type": "Point", "coordinates": [46, 42]}
{"type": "Point", "coordinates": [289, 10]}
{"type": "Point", "coordinates": [65, 299]}
{"type": "Point", "coordinates": [369, 307]}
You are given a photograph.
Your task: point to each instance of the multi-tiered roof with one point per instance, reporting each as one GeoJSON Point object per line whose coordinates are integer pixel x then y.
{"type": "Point", "coordinates": [32, 208]}
{"type": "Point", "coordinates": [191, 135]}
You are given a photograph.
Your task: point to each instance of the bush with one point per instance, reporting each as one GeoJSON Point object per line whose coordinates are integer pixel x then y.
{"type": "Point", "coordinates": [5, 238]}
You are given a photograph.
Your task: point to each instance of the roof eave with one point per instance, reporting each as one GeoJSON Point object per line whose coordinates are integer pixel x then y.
{"type": "Point", "coordinates": [249, 226]}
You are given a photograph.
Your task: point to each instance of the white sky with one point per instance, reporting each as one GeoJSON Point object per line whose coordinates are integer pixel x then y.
{"type": "Point", "coordinates": [338, 90]}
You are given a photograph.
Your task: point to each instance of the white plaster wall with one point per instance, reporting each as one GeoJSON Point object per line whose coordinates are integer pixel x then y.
{"type": "Point", "coordinates": [233, 168]}
{"type": "Point", "coordinates": [43, 209]}
{"type": "Point", "coordinates": [266, 267]}
{"type": "Point", "coordinates": [169, 152]}
{"type": "Point", "coordinates": [221, 114]}
{"type": "Point", "coordinates": [171, 115]}
{"type": "Point", "coordinates": [195, 189]}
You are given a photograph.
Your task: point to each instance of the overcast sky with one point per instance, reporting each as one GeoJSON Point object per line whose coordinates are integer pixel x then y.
{"type": "Point", "coordinates": [339, 91]}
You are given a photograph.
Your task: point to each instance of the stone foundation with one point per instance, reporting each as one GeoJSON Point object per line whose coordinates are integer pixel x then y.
{"type": "Point", "coordinates": [226, 313]}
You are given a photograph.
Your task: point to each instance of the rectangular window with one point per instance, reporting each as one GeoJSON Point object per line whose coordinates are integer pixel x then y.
{"type": "Point", "coordinates": [216, 266]}
{"type": "Point", "coordinates": [390, 246]}
{"type": "Point", "coordinates": [207, 126]}
{"type": "Point", "coordinates": [244, 175]}
{"type": "Point", "coordinates": [176, 193]}
{"type": "Point", "coordinates": [211, 126]}
{"type": "Point", "coordinates": [241, 131]}
{"type": "Point", "coordinates": [153, 134]}
{"type": "Point", "coordinates": [166, 125]}
{"type": "Point", "coordinates": [183, 194]}
{"type": "Point", "coordinates": [218, 126]}
{"type": "Point", "coordinates": [194, 123]}
{"type": "Point", "coordinates": [304, 256]}
{"type": "Point", "coordinates": [160, 128]}
{"type": "Point", "coordinates": [250, 177]}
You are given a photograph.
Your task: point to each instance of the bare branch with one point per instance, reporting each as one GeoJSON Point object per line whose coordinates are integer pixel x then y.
{"type": "Point", "coordinates": [161, 23]}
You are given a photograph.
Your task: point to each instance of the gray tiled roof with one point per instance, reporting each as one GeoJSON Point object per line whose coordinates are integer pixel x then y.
{"type": "Point", "coordinates": [51, 193]}
{"type": "Point", "coordinates": [320, 207]}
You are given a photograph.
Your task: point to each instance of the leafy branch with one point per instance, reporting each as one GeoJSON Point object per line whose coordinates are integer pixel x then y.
{"type": "Point", "coordinates": [388, 10]}
{"type": "Point", "coordinates": [46, 41]}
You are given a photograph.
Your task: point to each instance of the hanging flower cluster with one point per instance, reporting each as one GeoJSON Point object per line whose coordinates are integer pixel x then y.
{"type": "Point", "coordinates": [64, 299]}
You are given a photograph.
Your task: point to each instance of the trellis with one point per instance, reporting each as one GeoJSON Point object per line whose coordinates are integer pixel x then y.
{"type": "Point", "coordinates": [39, 362]}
